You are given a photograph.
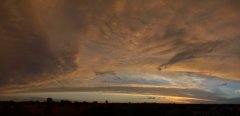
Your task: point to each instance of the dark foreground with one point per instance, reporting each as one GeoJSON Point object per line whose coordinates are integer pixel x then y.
{"type": "Point", "coordinates": [66, 108]}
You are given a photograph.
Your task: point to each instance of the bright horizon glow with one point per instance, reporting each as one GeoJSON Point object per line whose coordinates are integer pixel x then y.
{"type": "Point", "coordinates": [103, 96]}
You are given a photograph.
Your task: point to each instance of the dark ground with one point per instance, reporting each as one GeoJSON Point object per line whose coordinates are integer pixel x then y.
{"type": "Point", "coordinates": [66, 108]}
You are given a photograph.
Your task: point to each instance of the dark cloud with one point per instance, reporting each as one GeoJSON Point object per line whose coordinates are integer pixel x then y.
{"type": "Point", "coordinates": [233, 101]}
{"type": "Point", "coordinates": [193, 51]}
{"type": "Point", "coordinates": [104, 73]}
{"type": "Point", "coordinates": [25, 51]}
{"type": "Point", "coordinates": [151, 97]}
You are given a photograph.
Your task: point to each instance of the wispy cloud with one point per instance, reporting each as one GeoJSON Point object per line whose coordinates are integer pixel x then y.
{"type": "Point", "coordinates": [81, 43]}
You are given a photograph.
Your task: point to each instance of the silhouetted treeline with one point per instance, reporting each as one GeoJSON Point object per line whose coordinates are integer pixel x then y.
{"type": "Point", "coordinates": [69, 108]}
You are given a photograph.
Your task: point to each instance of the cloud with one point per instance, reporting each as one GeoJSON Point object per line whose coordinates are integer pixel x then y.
{"type": "Point", "coordinates": [104, 73]}
{"type": "Point", "coordinates": [178, 84]}
{"type": "Point", "coordinates": [193, 51]}
{"type": "Point", "coordinates": [25, 51]}
{"type": "Point", "coordinates": [60, 43]}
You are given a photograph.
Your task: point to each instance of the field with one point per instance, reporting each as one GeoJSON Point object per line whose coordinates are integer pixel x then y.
{"type": "Point", "coordinates": [65, 108]}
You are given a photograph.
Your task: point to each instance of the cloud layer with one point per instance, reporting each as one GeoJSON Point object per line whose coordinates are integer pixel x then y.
{"type": "Point", "coordinates": [169, 45]}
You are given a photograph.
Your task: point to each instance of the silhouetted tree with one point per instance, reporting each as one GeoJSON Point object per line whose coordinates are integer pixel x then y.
{"type": "Point", "coordinates": [49, 100]}
{"type": "Point", "coordinates": [48, 109]}
{"type": "Point", "coordinates": [106, 101]}
{"type": "Point", "coordinates": [94, 102]}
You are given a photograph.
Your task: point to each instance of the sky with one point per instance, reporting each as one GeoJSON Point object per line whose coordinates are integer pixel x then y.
{"type": "Point", "coordinates": [165, 51]}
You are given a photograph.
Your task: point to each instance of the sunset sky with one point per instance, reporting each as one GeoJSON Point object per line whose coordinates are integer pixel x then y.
{"type": "Point", "coordinates": [166, 51]}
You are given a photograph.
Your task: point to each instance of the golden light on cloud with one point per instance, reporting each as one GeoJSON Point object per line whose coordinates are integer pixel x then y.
{"type": "Point", "coordinates": [179, 50]}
